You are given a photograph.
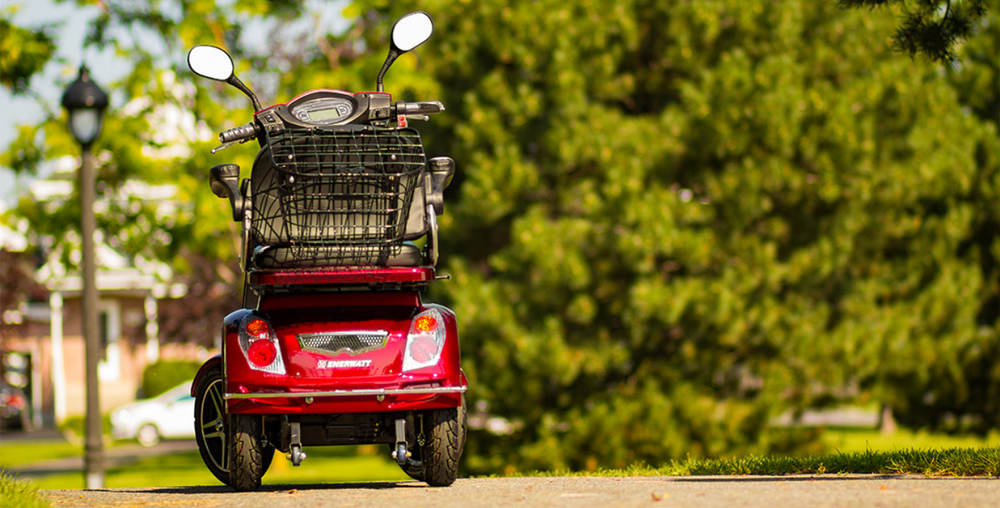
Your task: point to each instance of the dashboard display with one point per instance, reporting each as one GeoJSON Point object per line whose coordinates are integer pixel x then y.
{"type": "Point", "coordinates": [324, 110]}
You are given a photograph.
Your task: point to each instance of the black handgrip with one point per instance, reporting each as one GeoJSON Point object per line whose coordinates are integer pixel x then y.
{"type": "Point", "coordinates": [243, 132]}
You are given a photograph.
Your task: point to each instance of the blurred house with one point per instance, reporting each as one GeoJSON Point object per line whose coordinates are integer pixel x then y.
{"type": "Point", "coordinates": [40, 328]}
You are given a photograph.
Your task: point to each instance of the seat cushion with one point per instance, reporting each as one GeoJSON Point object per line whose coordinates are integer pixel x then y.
{"type": "Point", "coordinates": [272, 256]}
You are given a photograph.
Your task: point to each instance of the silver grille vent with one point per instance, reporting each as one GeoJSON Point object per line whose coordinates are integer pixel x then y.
{"type": "Point", "coordinates": [338, 342]}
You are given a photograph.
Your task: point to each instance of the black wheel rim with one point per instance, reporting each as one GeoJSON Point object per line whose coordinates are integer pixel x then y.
{"type": "Point", "coordinates": [213, 426]}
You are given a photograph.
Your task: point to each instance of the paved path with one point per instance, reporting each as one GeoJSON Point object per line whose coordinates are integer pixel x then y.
{"type": "Point", "coordinates": [828, 491]}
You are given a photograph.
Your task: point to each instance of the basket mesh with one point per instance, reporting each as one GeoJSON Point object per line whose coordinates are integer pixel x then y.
{"type": "Point", "coordinates": [337, 197]}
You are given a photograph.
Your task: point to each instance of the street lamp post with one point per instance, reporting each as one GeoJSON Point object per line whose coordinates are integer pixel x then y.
{"type": "Point", "coordinates": [85, 103]}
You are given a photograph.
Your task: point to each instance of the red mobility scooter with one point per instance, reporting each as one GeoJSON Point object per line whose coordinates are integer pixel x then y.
{"type": "Point", "coordinates": [334, 344]}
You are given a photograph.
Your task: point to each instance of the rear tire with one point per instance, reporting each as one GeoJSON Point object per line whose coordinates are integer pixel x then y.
{"type": "Point", "coordinates": [419, 452]}
{"type": "Point", "coordinates": [211, 424]}
{"type": "Point", "coordinates": [247, 452]}
{"type": "Point", "coordinates": [444, 432]}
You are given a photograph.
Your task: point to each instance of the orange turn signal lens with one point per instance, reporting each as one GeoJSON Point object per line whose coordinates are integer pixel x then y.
{"type": "Point", "coordinates": [425, 324]}
{"type": "Point", "coordinates": [258, 328]}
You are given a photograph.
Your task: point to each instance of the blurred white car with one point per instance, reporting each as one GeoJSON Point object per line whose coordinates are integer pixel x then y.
{"type": "Point", "coordinates": [170, 415]}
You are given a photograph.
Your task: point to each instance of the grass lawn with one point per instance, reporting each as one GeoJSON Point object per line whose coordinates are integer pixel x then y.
{"type": "Point", "coordinates": [323, 465]}
{"type": "Point", "coordinates": [17, 453]}
{"type": "Point", "coordinates": [851, 450]}
{"type": "Point", "coordinates": [847, 440]}
{"type": "Point", "coordinates": [19, 494]}
{"type": "Point", "coordinates": [946, 462]}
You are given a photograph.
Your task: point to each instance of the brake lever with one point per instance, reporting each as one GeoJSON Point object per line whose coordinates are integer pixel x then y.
{"type": "Point", "coordinates": [223, 147]}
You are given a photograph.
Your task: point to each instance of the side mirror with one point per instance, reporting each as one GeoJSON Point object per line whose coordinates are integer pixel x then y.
{"type": "Point", "coordinates": [409, 32]}
{"type": "Point", "coordinates": [214, 63]}
{"type": "Point", "coordinates": [210, 62]}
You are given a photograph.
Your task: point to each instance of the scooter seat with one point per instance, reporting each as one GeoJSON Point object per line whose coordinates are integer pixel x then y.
{"type": "Point", "coordinates": [273, 256]}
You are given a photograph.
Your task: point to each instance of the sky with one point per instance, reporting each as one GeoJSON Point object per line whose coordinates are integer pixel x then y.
{"type": "Point", "coordinates": [25, 110]}
{"type": "Point", "coordinates": [104, 66]}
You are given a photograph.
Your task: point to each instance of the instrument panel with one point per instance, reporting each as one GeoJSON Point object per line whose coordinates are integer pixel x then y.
{"type": "Point", "coordinates": [323, 110]}
{"type": "Point", "coordinates": [327, 109]}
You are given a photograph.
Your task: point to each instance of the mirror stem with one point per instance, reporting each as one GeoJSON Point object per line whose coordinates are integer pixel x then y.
{"type": "Point", "coordinates": [393, 55]}
{"type": "Point", "coordinates": [233, 80]}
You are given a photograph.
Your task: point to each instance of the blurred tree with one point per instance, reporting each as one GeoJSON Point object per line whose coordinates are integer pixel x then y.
{"type": "Point", "coordinates": [931, 28]}
{"type": "Point", "coordinates": [972, 399]}
{"type": "Point", "coordinates": [23, 53]}
{"type": "Point", "coordinates": [670, 223]}
{"type": "Point", "coordinates": [678, 221]}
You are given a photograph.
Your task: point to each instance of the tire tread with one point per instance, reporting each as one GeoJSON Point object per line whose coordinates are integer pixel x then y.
{"type": "Point", "coordinates": [247, 457]}
{"type": "Point", "coordinates": [443, 451]}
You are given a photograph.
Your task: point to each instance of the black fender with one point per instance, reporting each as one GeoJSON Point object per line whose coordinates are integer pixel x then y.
{"type": "Point", "coordinates": [205, 367]}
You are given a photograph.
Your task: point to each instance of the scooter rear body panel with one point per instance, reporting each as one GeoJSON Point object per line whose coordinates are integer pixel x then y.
{"type": "Point", "coordinates": [319, 381]}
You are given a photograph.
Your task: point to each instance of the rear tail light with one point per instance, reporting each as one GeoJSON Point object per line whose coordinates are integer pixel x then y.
{"type": "Point", "coordinates": [425, 341]}
{"type": "Point", "coordinates": [260, 346]}
{"type": "Point", "coordinates": [262, 353]}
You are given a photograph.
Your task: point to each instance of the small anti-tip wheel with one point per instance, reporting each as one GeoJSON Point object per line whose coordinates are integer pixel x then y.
{"type": "Point", "coordinates": [400, 454]}
{"type": "Point", "coordinates": [296, 455]}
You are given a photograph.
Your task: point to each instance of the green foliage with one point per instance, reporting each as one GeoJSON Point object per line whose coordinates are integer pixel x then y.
{"type": "Point", "coordinates": [671, 223]}
{"type": "Point", "coordinates": [19, 494]}
{"type": "Point", "coordinates": [166, 374]}
{"type": "Point", "coordinates": [675, 221]}
{"type": "Point", "coordinates": [77, 425]}
{"type": "Point", "coordinates": [931, 28]}
{"type": "Point", "coordinates": [23, 53]}
{"type": "Point", "coordinates": [977, 79]}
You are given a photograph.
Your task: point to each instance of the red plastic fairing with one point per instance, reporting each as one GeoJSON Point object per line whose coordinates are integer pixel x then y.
{"type": "Point", "coordinates": [310, 371]}
{"type": "Point", "coordinates": [366, 404]}
{"type": "Point", "coordinates": [267, 108]}
{"type": "Point", "coordinates": [341, 277]}
{"type": "Point", "coordinates": [388, 301]}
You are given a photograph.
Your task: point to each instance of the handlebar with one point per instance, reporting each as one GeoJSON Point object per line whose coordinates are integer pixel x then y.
{"type": "Point", "coordinates": [414, 110]}
{"type": "Point", "coordinates": [419, 108]}
{"type": "Point", "coordinates": [241, 133]}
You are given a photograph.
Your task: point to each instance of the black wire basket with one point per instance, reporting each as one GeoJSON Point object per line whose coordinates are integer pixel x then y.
{"type": "Point", "coordinates": [336, 197]}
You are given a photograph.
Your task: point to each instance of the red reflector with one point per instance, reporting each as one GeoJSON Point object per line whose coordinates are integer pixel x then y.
{"type": "Point", "coordinates": [425, 324]}
{"type": "Point", "coordinates": [258, 328]}
{"type": "Point", "coordinates": [423, 348]}
{"type": "Point", "coordinates": [262, 353]}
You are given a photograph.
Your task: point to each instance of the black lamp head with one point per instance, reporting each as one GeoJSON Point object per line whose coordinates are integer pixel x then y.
{"type": "Point", "coordinates": [85, 102]}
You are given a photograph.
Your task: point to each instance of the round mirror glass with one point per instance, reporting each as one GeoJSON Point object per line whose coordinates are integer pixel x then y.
{"type": "Point", "coordinates": [210, 62]}
{"type": "Point", "coordinates": [412, 30]}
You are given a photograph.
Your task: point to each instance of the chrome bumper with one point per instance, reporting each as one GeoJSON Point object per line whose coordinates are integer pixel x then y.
{"type": "Point", "coordinates": [346, 393]}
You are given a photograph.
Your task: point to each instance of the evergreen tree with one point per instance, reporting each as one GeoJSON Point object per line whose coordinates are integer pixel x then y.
{"type": "Point", "coordinates": [932, 28]}
{"type": "Point", "coordinates": [670, 223]}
